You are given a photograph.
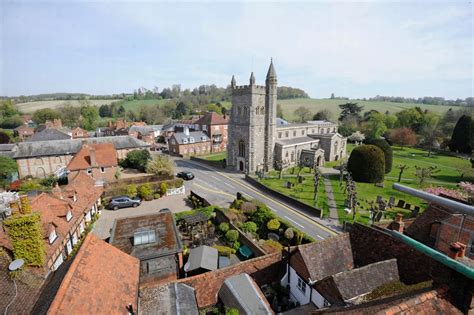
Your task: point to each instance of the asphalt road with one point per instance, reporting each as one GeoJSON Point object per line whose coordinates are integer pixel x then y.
{"type": "Point", "coordinates": [220, 187]}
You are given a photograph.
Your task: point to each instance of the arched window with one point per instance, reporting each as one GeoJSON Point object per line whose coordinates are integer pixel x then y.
{"type": "Point", "coordinates": [292, 156]}
{"type": "Point", "coordinates": [238, 111]}
{"type": "Point", "coordinates": [262, 110]}
{"type": "Point", "coordinates": [335, 147]}
{"type": "Point", "coordinates": [241, 148]}
{"type": "Point", "coordinates": [245, 111]}
{"type": "Point", "coordinates": [257, 111]}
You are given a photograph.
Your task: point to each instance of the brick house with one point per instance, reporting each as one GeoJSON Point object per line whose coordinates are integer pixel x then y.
{"type": "Point", "coordinates": [215, 126]}
{"type": "Point", "coordinates": [101, 280]}
{"type": "Point", "coordinates": [98, 160]}
{"type": "Point", "coordinates": [78, 133]}
{"type": "Point", "coordinates": [189, 143]}
{"type": "Point", "coordinates": [23, 132]}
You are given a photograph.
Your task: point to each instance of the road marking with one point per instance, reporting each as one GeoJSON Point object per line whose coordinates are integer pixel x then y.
{"type": "Point", "coordinates": [319, 236]}
{"type": "Point", "coordinates": [273, 200]}
{"type": "Point", "coordinates": [215, 178]}
{"type": "Point", "coordinates": [227, 184]}
{"type": "Point", "coordinates": [214, 191]}
{"type": "Point", "coordinates": [294, 222]}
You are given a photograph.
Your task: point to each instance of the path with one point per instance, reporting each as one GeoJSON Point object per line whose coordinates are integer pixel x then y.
{"type": "Point", "coordinates": [333, 215]}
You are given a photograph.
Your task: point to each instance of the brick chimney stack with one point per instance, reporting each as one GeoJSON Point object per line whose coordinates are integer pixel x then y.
{"type": "Point", "coordinates": [398, 224]}
{"type": "Point", "coordinates": [457, 250]}
{"type": "Point", "coordinates": [56, 191]}
{"type": "Point", "coordinates": [92, 156]}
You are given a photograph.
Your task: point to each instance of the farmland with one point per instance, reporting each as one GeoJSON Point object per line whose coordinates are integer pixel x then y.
{"type": "Point", "coordinates": [31, 107]}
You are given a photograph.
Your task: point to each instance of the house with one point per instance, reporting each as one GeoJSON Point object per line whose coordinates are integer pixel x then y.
{"type": "Point", "coordinates": [98, 160]}
{"type": "Point", "coordinates": [201, 259]}
{"type": "Point", "coordinates": [100, 280]}
{"type": "Point", "coordinates": [48, 134]}
{"type": "Point", "coordinates": [215, 126]}
{"type": "Point", "coordinates": [41, 158]}
{"type": "Point", "coordinates": [189, 143]}
{"type": "Point", "coordinates": [172, 298]}
{"type": "Point", "coordinates": [23, 132]}
{"type": "Point", "coordinates": [322, 273]}
{"type": "Point", "coordinates": [154, 240]}
{"type": "Point", "coordinates": [242, 293]}
{"type": "Point", "coordinates": [78, 133]}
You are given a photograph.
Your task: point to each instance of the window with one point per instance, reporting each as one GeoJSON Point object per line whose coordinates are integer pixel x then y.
{"type": "Point", "coordinates": [89, 171]}
{"type": "Point", "coordinates": [68, 216]}
{"type": "Point", "coordinates": [225, 127]}
{"type": "Point", "coordinates": [191, 140]}
{"type": "Point", "coordinates": [301, 285]}
{"type": "Point", "coordinates": [238, 111]}
{"type": "Point", "coordinates": [292, 156]}
{"type": "Point", "coordinates": [312, 130]}
{"type": "Point", "coordinates": [302, 132]}
{"type": "Point", "coordinates": [204, 127]}
{"type": "Point", "coordinates": [257, 110]}
{"type": "Point", "coordinates": [286, 134]}
{"type": "Point", "coordinates": [185, 140]}
{"type": "Point", "coordinates": [102, 169]}
{"type": "Point", "coordinates": [145, 237]}
{"type": "Point", "coordinates": [241, 148]}
{"type": "Point", "coordinates": [216, 128]}
{"type": "Point", "coordinates": [262, 110]}
{"type": "Point", "coordinates": [279, 135]}
{"type": "Point", "coordinates": [245, 111]}
{"type": "Point", "coordinates": [286, 154]}
{"type": "Point", "coordinates": [52, 236]}
{"type": "Point", "coordinates": [294, 133]}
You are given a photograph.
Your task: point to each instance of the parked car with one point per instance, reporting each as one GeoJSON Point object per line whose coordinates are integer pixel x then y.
{"type": "Point", "coordinates": [185, 175]}
{"type": "Point", "coordinates": [123, 202]}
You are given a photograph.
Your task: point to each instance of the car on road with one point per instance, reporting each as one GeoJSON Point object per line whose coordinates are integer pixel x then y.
{"type": "Point", "coordinates": [185, 175]}
{"type": "Point", "coordinates": [123, 202]}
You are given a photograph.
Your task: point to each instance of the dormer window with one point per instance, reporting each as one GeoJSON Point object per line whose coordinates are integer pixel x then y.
{"type": "Point", "coordinates": [191, 140]}
{"type": "Point", "coordinates": [89, 171]}
{"type": "Point", "coordinates": [69, 216]}
{"type": "Point", "coordinates": [185, 140]}
{"type": "Point", "coordinates": [52, 236]}
{"type": "Point", "coordinates": [145, 237]}
{"type": "Point", "coordinates": [203, 138]}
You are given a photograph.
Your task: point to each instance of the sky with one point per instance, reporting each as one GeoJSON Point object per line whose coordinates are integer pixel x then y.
{"type": "Point", "coordinates": [352, 49]}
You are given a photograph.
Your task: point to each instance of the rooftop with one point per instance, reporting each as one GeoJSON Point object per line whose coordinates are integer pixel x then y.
{"type": "Point", "coordinates": [192, 137]}
{"type": "Point", "coordinates": [105, 155]}
{"type": "Point", "coordinates": [212, 118]}
{"type": "Point", "coordinates": [286, 142]}
{"type": "Point", "coordinates": [172, 298]}
{"type": "Point", "coordinates": [204, 257]}
{"type": "Point", "coordinates": [48, 134]}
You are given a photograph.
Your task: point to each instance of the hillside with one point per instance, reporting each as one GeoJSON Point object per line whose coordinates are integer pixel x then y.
{"type": "Point", "coordinates": [31, 107]}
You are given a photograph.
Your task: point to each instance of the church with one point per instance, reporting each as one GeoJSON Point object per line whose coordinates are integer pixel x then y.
{"type": "Point", "coordinates": [258, 140]}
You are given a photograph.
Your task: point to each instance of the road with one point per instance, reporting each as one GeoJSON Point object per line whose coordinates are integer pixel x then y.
{"type": "Point", "coordinates": [220, 187]}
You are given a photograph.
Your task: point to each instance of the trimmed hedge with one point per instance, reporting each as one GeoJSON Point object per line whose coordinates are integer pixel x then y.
{"type": "Point", "coordinates": [367, 164]}
{"type": "Point", "coordinates": [387, 151]}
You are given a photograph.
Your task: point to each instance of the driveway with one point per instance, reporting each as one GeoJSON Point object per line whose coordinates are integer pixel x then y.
{"type": "Point", "coordinates": [107, 217]}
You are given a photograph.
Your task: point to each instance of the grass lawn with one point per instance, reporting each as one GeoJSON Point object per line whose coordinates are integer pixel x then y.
{"type": "Point", "coordinates": [215, 157]}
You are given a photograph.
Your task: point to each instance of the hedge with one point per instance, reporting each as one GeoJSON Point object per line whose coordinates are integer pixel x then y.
{"type": "Point", "coordinates": [367, 164]}
{"type": "Point", "coordinates": [387, 151]}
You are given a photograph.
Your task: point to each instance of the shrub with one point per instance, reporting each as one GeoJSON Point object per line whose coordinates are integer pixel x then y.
{"type": "Point", "coordinates": [231, 311]}
{"type": "Point", "coordinates": [289, 234]}
{"type": "Point", "coordinates": [262, 215]}
{"type": "Point", "coordinates": [367, 164]}
{"type": "Point", "coordinates": [132, 190]}
{"type": "Point", "coordinates": [232, 236]}
{"type": "Point", "coordinates": [236, 204]}
{"type": "Point", "coordinates": [248, 207]}
{"type": "Point", "coordinates": [236, 245]}
{"type": "Point", "coordinates": [249, 227]}
{"type": "Point", "coordinates": [273, 224]}
{"type": "Point", "coordinates": [156, 196]}
{"type": "Point", "coordinates": [145, 191]}
{"type": "Point", "coordinates": [160, 165]}
{"type": "Point", "coordinates": [387, 151]}
{"type": "Point", "coordinates": [49, 181]}
{"type": "Point", "coordinates": [163, 188]}
{"type": "Point", "coordinates": [274, 244]}
{"type": "Point", "coordinates": [224, 250]}
{"type": "Point", "coordinates": [224, 227]}
{"type": "Point", "coordinates": [208, 211]}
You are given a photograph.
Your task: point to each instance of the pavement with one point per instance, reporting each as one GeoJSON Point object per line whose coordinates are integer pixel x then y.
{"type": "Point", "coordinates": [220, 187]}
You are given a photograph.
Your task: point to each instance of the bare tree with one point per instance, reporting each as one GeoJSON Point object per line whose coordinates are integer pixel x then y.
{"type": "Point", "coordinates": [402, 168]}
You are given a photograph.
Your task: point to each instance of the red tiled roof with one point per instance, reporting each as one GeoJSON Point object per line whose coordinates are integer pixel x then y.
{"type": "Point", "coordinates": [105, 156]}
{"type": "Point", "coordinates": [212, 118]}
{"type": "Point", "coordinates": [101, 280]}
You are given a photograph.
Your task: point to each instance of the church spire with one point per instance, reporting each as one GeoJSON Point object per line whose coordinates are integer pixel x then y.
{"type": "Point", "coordinates": [271, 74]}
{"type": "Point", "coordinates": [252, 79]}
{"type": "Point", "coordinates": [233, 83]}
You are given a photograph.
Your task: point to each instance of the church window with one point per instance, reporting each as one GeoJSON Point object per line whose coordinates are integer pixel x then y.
{"type": "Point", "coordinates": [322, 130]}
{"type": "Point", "coordinates": [257, 111]}
{"type": "Point", "coordinates": [241, 148]}
{"type": "Point", "coordinates": [286, 134]}
{"type": "Point", "coordinates": [302, 132]}
{"type": "Point", "coordinates": [245, 111]}
{"type": "Point", "coordinates": [294, 133]}
{"type": "Point", "coordinates": [238, 111]}
{"type": "Point", "coordinates": [262, 110]}
{"type": "Point", "coordinates": [335, 147]}
{"type": "Point", "coordinates": [312, 131]}
{"type": "Point", "coordinates": [286, 154]}
{"type": "Point", "coordinates": [292, 156]}
{"type": "Point", "coordinates": [279, 135]}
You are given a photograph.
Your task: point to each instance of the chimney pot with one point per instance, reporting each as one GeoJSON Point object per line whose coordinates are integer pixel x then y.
{"type": "Point", "coordinates": [454, 250]}
{"type": "Point", "coordinates": [462, 250]}
{"type": "Point", "coordinates": [398, 224]}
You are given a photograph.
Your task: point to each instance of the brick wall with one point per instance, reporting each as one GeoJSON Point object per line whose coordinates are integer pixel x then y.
{"type": "Point", "coordinates": [264, 270]}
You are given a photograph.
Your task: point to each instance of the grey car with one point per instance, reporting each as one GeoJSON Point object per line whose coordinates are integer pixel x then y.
{"type": "Point", "coordinates": [123, 202]}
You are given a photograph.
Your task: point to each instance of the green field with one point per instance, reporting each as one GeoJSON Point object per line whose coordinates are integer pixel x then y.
{"type": "Point", "coordinates": [31, 107]}
{"type": "Point", "coordinates": [315, 105]}
{"type": "Point", "coordinates": [215, 157]}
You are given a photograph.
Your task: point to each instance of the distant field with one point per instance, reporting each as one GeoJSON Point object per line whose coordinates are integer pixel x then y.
{"type": "Point", "coordinates": [315, 105]}
{"type": "Point", "coordinates": [31, 107]}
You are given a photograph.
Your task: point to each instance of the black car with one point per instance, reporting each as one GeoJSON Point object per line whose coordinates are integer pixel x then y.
{"type": "Point", "coordinates": [123, 202]}
{"type": "Point", "coordinates": [185, 175]}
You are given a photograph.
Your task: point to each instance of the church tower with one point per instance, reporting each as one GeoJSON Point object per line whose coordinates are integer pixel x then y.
{"type": "Point", "coordinates": [251, 134]}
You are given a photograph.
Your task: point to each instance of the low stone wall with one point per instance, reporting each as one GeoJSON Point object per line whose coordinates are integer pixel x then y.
{"type": "Point", "coordinates": [243, 238]}
{"type": "Point", "coordinates": [204, 202]}
{"type": "Point", "coordinates": [315, 211]}
{"type": "Point", "coordinates": [216, 164]}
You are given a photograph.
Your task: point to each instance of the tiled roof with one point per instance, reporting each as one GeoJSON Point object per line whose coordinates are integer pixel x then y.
{"type": "Point", "coordinates": [172, 298]}
{"type": "Point", "coordinates": [319, 260]}
{"type": "Point", "coordinates": [105, 156]}
{"type": "Point", "coordinates": [349, 284]}
{"type": "Point", "coordinates": [48, 134]}
{"type": "Point", "coordinates": [212, 118]}
{"type": "Point", "coordinates": [101, 280]}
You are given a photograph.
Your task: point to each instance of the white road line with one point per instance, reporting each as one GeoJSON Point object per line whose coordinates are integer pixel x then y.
{"type": "Point", "coordinates": [319, 236]}
{"type": "Point", "coordinates": [294, 222]}
{"type": "Point", "coordinates": [215, 178]}
{"type": "Point", "coordinates": [227, 184]}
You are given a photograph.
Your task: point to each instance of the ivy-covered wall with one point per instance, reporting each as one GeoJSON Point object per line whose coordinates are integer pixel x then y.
{"type": "Point", "coordinates": [27, 239]}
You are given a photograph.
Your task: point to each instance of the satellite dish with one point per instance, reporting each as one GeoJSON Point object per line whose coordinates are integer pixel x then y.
{"type": "Point", "coordinates": [16, 264]}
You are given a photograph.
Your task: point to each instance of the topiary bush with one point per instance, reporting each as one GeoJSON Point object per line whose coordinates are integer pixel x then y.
{"type": "Point", "coordinates": [273, 224]}
{"type": "Point", "coordinates": [163, 188]}
{"type": "Point", "coordinates": [367, 164]}
{"type": "Point", "coordinates": [249, 227]}
{"type": "Point", "coordinates": [232, 236]}
{"type": "Point", "coordinates": [387, 151]}
{"type": "Point", "coordinates": [224, 227]}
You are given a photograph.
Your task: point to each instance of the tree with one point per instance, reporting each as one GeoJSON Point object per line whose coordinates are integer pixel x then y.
{"type": "Point", "coordinates": [41, 115]}
{"type": "Point", "coordinates": [249, 227]}
{"type": "Point", "coordinates": [181, 110]}
{"type": "Point", "coordinates": [403, 136]}
{"type": "Point", "coordinates": [160, 165]}
{"type": "Point", "coordinates": [232, 236]}
{"type": "Point", "coordinates": [132, 190]}
{"type": "Point", "coordinates": [350, 109]}
{"type": "Point", "coordinates": [279, 111]}
{"type": "Point", "coordinates": [387, 152]}
{"type": "Point", "coordinates": [367, 164]}
{"type": "Point", "coordinates": [4, 137]}
{"type": "Point", "coordinates": [8, 167]}
{"type": "Point", "coordinates": [348, 125]}
{"type": "Point", "coordinates": [90, 115]}
{"type": "Point", "coordinates": [224, 227]}
{"type": "Point", "coordinates": [462, 136]}
{"type": "Point", "coordinates": [70, 115]}
{"type": "Point", "coordinates": [402, 168]}
{"type": "Point", "coordinates": [322, 115]}
{"type": "Point", "coordinates": [105, 111]}
{"type": "Point", "coordinates": [137, 159]}
{"type": "Point", "coordinates": [410, 118]}
{"type": "Point", "coordinates": [303, 113]}
{"type": "Point", "coordinates": [423, 173]}
{"type": "Point", "coordinates": [214, 108]}
{"type": "Point", "coordinates": [375, 126]}
{"type": "Point", "coordinates": [430, 134]}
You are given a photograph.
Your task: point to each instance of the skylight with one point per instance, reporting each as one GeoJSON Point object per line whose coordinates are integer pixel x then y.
{"type": "Point", "coordinates": [145, 237]}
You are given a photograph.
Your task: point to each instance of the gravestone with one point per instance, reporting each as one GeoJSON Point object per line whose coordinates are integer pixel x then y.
{"type": "Point", "coordinates": [391, 201]}
{"type": "Point", "coordinates": [378, 216]}
{"type": "Point", "coordinates": [401, 203]}
{"type": "Point", "coordinates": [407, 206]}
{"type": "Point", "coordinates": [379, 199]}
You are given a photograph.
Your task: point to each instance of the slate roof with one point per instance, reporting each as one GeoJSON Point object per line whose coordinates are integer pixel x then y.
{"type": "Point", "coordinates": [241, 292]}
{"type": "Point", "coordinates": [212, 118]}
{"type": "Point", "coordinates": [48, 134]}
{"type": "Point", "coordinates": [204, 257]}
{"type": "Point", "coordinates": [7, 149]}
{"type": "Point", "coordinates": [320, 122]}
{"type": "Point", "coordinates": [321, 259]}
{"type": "Point", "coordinates": [146, 129]}
{"type": "Point", "coordinates": [72, 146]}
{"type": "Point", "coordinates": [101, 280]}
{"type": "Point", "coordinates": [197, 135]}
{"type": "Point", "coordinates": [167, 240]}
{"type": "Point", "coordinates": [105, 156]}
{"type": "Point", "coordinates": [347, 285]}
{"type": "Point", "coordinates": [285, 142]}
{"type": "Point", "coordinates": [172, 298]}
{"type": "Point", "coordinates": [281, 122]}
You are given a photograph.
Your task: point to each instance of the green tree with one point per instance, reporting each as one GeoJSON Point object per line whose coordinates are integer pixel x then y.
{"type": "Point", "coordinates": [214, 108]}
{"type": "Point", "coordinates": [249, 227]}
{"type": "Point", "coordinates": [90, 115]}
{"type": "Point", "coordinates": [105, 111]}
{"type": "Point", "coordinates": [387, 151]}
{"type": "Point", "coordinates": [322, 115]}
{"type": "Point", "coordinates": [7, 109]}
{"type": "Point", "coordinates": [224, 227]}
{"type": "Point", "coordinates": [41, 115]}
{"type": "Point", "coordinates": [410, 118]}
{"type": "Point", "coordinates": [232, 236]}
{"type": "Point", "coordinates": [8, 167]}
{"type": "Point", "coordinates": [70, 115]}
{"type": "Point", "coordinates": [367, 164]}
{"type": "Point", "coordinates": [137, 159]}
{"type": "Point", "coordinates": [461, 138]}
{"type": "Point", "coordinates": [375, 126]}
{"type": "Point", "coordinates": [350, 109]}
{"type": "Point", "coordinates": [160, 165]}
{"type": "Point", "coordinates": [273, 225]}
{"type": "Point", "coordinates": [303, 113]}
{"type": "Point", "coordinates": [132, 190]}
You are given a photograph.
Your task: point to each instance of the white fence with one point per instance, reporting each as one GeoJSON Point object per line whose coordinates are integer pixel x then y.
{"type": "Point", "coordinates": [176, 191]}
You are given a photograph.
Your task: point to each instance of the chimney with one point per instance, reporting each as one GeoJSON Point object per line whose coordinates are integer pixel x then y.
{"type": "Point", "coordinates": [56, 191]}
{"type": "Point", "coordinates": [186, 130]}
{"type": "Point", "coordinates": [455, 250]}
{"type": "Point", "coordinates": [92, 156]}
{"type": "Point", "coordinates": [398, 224]}
{"type": "Point", "coordinates": [462, 251]}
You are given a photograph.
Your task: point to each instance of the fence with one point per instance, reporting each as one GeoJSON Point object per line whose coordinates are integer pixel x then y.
{"type": "Point", "coordinates": [176, 191]}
